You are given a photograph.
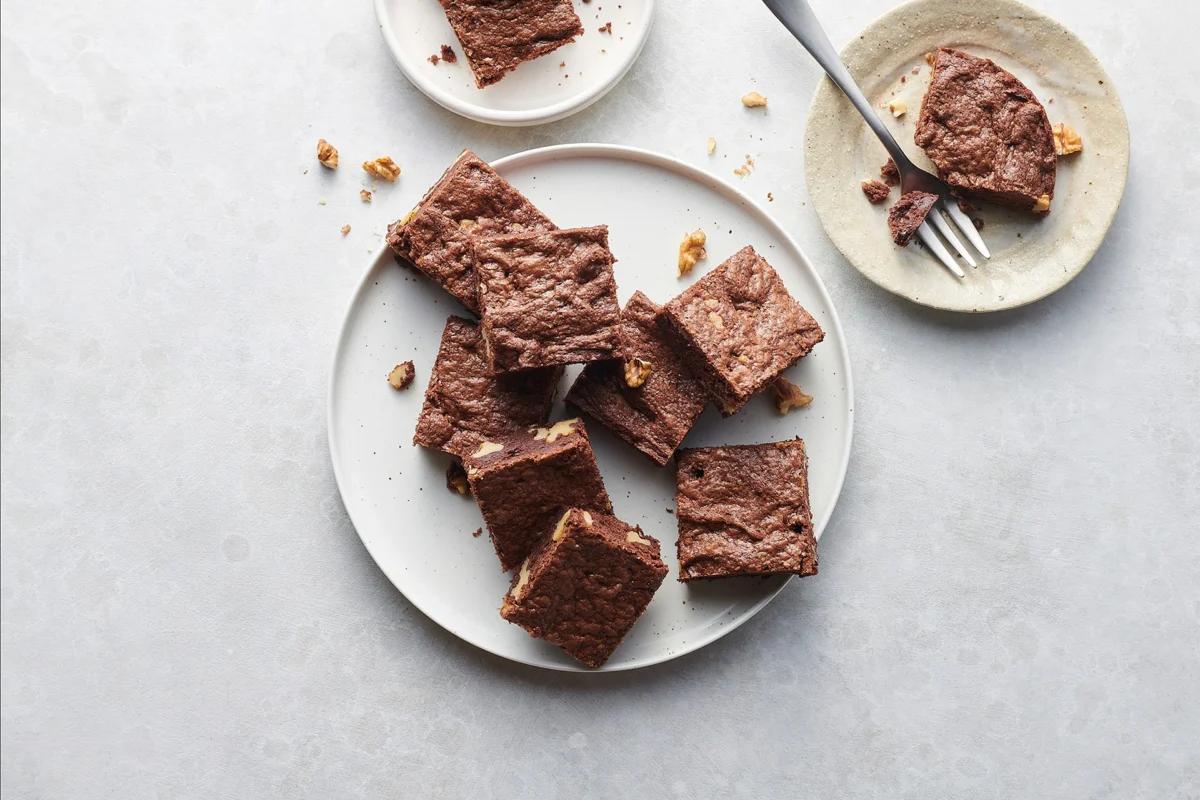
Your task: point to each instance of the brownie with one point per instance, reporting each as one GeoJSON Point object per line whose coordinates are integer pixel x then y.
{"type": "Point", "coordinates": [890, 173]}
{"type": "Point", "coordinates": [524, 482]}
{"type": "Point", "coordinates": [466, 404]}
{"type": "Point", "coordinates": [548, 298]}
{"type": "Point", "coordinates": [876, 191]}
{"type": "Point", "coordinates": [656, 414]}
{"type": "Point", "coordinates": [744, 511]}
{"type": "Point", "coordinates": [907, 215]}
{"type": "Point", "coordinates": [986, 132]}
{"type": "Point", "coordinates": [469, 201]}
{"type": "Point", "coordinates": [740, 329]}
{"type": "Point", "coordinates": [497, 36]}
{"type": "Point", "coordinates": [585, 585]}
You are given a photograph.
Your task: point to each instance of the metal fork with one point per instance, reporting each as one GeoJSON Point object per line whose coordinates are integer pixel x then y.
{"type": "Point", "coordinates": [798, 17]}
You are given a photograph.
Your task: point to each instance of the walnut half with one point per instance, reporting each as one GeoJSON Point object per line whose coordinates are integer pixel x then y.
{"type": "Point", "coordinates": [1066, 139]}
{"type": "Point", "coordinates": [383, 167]}
{"type": "Point", "coordinates": [327, 154]}
{"type": "Point", "coordinates": [788, 396]}
{"type": "Point", "coordinates": [401, 376]}
{"type": "Point", "coordinates": [636, 372]}
{"type": "Point", "coordinates": [691, 250]}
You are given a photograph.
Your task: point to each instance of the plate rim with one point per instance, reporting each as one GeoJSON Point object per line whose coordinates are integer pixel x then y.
{"type": "Point", "coordinates": [600, 150]}
{"type": "Point", "coordinates": [534, 116]}
{"type": "Point", "coordinates": [827, 93]}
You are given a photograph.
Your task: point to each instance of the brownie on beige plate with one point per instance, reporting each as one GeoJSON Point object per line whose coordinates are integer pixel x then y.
{"type": "Point", "coordinates": [466, 404]}
{"type": "Point", "coordinates": [586, 584]}
{"type": "Point", "coordinates": [498, 36]}
{"type": "Point", "coordinates": [649, 397]}
{"type": "Point", "coordinates": [548, 298]}
{"type": "Point", "coordinates": [740, 329]}
{"type": "Point", "coordinates": [525, 481]}
{"type": "Point", "coordinates": [743, 510]}
{"type": "Point", "coordinates": [469, 201]}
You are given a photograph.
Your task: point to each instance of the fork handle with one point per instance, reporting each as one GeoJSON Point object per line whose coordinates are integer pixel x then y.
{"type": "Point", "coordinates": [797, 16]}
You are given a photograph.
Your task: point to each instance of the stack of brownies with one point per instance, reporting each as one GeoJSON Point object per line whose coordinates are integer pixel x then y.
{"type": "Point", "coordinates": [547, 297]}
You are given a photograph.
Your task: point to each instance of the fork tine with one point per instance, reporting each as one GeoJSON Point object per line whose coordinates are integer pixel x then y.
{"type": "Point", "coordinates": [947, 233]}
{"type": "Point", "coordinates": [967, 227]}
{"type": "Point", "coordinates": [934, 245]}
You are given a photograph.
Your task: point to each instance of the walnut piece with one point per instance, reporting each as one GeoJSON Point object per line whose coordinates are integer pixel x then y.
{"type": "Point", "coordinates": [1042, 205]}
{"type": "Point", "coordinates": [753, 100]}
{"type": "Point", "coordinates": [691, 250]}
{"type": "Point", "coordinates": [327, 154]}
{"type": "Point", "coordinates": [711, 145]}
{"type": "Point", "coordinates": [561, 428]}
{"type": "Point", "coordinates": [715, 320]}
{"type": "Point", "coordinates": [383, 167]}
{"type": "Point", "coordinates": [456, 479]}
{"type": "Point", "coordinates": [788, 396]}
{"type": "Point", "coordinates": [560, 530]}
{"type": "Point", "coordinates": [401, 376]}
{"type": "Point", "coordinates": [346, 229]}
{"type": "Point", "coordinates": [636, 538]}
{"type": "Point", "coordinates": [1066, 139]}
{"type": "Point", "coordinates": [898, 108]}
{"type": "Point", "coordinates": [486, 449]}
{"type": "Point", "coordinates": [636, 372]}
{"type": "Point", "coordinates": [365, 195]}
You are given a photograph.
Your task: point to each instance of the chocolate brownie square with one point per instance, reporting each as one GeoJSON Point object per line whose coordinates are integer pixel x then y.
{"type": "Point", "coordinates": [525, 481]}
{"type": "Point", "coordinates": [466, 404]}
{"type": "Point", "coordinates": [744, 510]}
{"type": "Point", "coordinates": [585, 585]}
{"type": "Point", "coordinates": [652, 410]}
{"type": "Point", "coordinates": [499, 35]}
{"type": "Point", "coordinates": [741, 329]}
{"type": "Point", "coordinates": [548, 298]}
{"type": "Point", "coordinates": [469, 201]}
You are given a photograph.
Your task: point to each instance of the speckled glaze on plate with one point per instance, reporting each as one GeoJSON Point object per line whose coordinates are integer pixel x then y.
{"type": "Point", "coordinates": [420, 533]}
{"type": "Point", "coordinates": [1031, 257]}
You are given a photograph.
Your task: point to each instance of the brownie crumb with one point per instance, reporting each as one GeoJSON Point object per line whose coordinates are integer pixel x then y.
{"type": "Point", "coordinates": [904, 79]}
{"type": "Point", "coordinates": [448, 54]}
{"type": "Point", "coordinates": [434, 59]}
{"type": "Point", "coordinates": [401, 376]}
{"type": "Point", "coordinates": [606, 28]}
{"type": "Point", "coordinates": [876, 191]}
{"type": "Point", "coordinates": [890, 173]}
{"type": "Point", "coordinates": [477, 532]}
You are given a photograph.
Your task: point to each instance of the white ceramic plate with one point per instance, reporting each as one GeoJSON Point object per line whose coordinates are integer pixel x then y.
{"type": "Point", "coordinates": [536, 92]}
{"type": "Point", "coordinates": [1031, 257]}
{"type": "Point", "coordinates": [420, 533]}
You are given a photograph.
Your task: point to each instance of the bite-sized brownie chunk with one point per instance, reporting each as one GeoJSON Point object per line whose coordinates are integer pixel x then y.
{"type": "Point", "coordinates": [876, 191]}
{"type": "Point", "coordinates": [525, 481]}
{"type": "Point", "coordinates": [499, 35]}
{"type": "Point", "coordinates": [986, 132]}
{"type": "Point", "coordinates": [649, 398]}
{"type": "Point", "coordinates": [744, 511]}
{"type": "Point", "coordinates": [740, 329]}
{"type": "Point", "coordinates": [586, 584]}
{"type": "Point", "coordinates": [907, 215]}
{"type": "Point", "coordinates": [466, 404]}
{"type": "Point", "coordinates": [548, 298]}
{"type": "Point", "coordinates": [890, 173]}
{"type": "Point", "coordinates": [469, 201]}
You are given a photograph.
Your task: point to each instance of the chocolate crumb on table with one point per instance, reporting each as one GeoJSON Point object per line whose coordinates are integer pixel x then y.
{"type": "Point", "coordinates": [586, 584]}
{"type": "Point", "coordinates": [470, 200]}
{"type": "Point", "coordinates": [448, 54]}
{"type": "Point", "coordinates": [656, 414]}
{"type": "Point", "coordinates": [744, 510]}
{"type": "Point", "coordinates": [876, 191]}
{"type": "Point", "coordinates": [548, 298]}
{"type": "Point", "coordinates": [907, 215]}
{"type": "Point", "coordinates": [739, 329]}
{"type": "Point", "coordinates": [466, 404]}
{"type": "Point", "coordinates": [497, 36]}
{"type": "Point", "coordinates": [523, 482]}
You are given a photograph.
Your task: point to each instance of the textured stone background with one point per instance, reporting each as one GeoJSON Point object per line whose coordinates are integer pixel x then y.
{"type": "Point", "coordinates": [1008, 602]}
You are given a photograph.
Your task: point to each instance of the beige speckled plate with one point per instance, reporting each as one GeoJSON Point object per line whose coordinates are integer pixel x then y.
{"type": "Point", "coordinates": [1031, 258]}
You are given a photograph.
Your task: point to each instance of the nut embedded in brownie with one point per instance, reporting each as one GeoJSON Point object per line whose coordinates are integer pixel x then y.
{"type": "Point", "coordinates": [743, 510]}
{"type": "Point", "coordinates": [586, 584]}
{"type": "Point", "coordinates": [525, 481]}
{"type": "Point", "coordinates": [548, 298]}
{"type": "Point", "coordinates": [466, 404]}
{"type": "Point", "coordinates": [469, 201]}
{"type": "Point", "coordinates": [740, 329]}
{"type": "Point", "coordinates": [498, 36]}
{"type": "Point", "coordinates": [651, 406]}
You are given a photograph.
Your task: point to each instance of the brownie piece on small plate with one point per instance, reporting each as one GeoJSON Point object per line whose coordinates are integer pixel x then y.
{"type": "Point", "coordinates": [740, 329]}
{"type": "Point", "coordinates": [469, 201]}
{"type": "Point", "coordinates": [743, 510]}
{"type": "Point", "coordinates": [525, 481]}
{"type": "Point", "coordinates": [466, 404]}
{"type": "Point", "coordinates": [548, 298]}
{"type": "Point", "coordinates": [649, 398]}
{"type": "Point", "coordinates": [499, 35]}
{"type": "Point", "coordinates": [586, 584]}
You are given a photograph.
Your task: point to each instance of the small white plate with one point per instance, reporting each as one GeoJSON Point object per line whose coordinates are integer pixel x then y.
{"type": "Point", "coordinates": [420, 533]}
{"type": "Point", "coordinates": [1031, 257]}
{"type": "Point", "coordinates": [542, 90]}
